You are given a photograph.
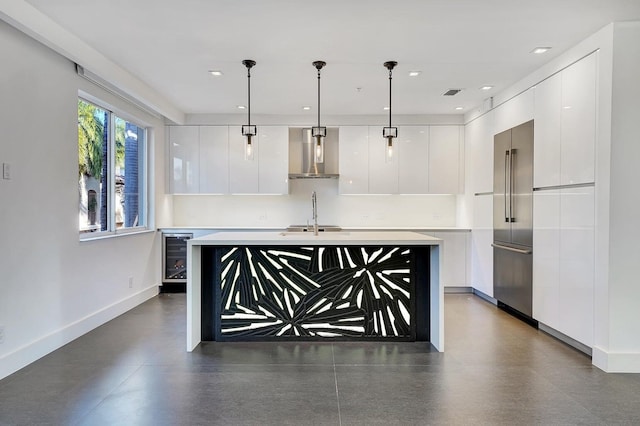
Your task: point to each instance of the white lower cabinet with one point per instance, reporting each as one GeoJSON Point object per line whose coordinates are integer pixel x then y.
{"type": "Point", "coordinates": [454, 272]}
{"type": "Point", "coordinates": [577, 257]}
{"type": "Point", "coordinates": [546, 257]}
{"type": "Point", "coordinates": [481, 239]}
{"type": "Point", "coordinates": [563, 261]}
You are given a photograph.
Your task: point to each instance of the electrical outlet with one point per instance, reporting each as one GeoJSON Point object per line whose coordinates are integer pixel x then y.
{"type": "Point", "coordinates": [130, 282]}
{"type": "Point", "coordinates": [1, 333]}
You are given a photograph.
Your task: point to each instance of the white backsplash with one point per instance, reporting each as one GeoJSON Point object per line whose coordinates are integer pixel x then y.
{"type": "Point", "coordinates": [279, 211]}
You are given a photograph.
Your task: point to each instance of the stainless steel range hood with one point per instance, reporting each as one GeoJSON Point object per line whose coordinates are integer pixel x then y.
{"type": "Point", "coordinates": [302, 160]}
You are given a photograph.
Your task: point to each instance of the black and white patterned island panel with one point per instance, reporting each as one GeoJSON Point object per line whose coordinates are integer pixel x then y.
{"type": "Point", "coordinates": [338, 285]}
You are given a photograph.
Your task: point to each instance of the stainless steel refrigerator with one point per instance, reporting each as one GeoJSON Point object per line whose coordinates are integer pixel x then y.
{"type": "Point", "coordinates": [513, 218]}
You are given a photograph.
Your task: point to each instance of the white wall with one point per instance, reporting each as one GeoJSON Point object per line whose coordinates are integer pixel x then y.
{"type": "Point", "coordinates": [279, 211]}
{"type": "Point", "coordinates": [54, 288]}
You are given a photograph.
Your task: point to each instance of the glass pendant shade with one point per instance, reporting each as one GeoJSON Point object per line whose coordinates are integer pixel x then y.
{"type": "Point", "coordinates": [318, 133]}
{"type": "Point", "coordinates": [249, 148]}
{"type": "Point", "coordinates": [388, 155]}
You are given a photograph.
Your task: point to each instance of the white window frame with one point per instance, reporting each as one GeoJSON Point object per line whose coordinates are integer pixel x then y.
{"type": "Point", "coordinates": [143, 173]}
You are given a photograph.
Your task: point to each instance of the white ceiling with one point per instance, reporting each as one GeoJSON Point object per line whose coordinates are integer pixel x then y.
{"type": "Point", "coordinates": [171, 45]}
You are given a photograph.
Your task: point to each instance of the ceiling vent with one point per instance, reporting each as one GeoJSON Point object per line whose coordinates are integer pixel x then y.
{"type": "Point", "coordinates": [452, 92]}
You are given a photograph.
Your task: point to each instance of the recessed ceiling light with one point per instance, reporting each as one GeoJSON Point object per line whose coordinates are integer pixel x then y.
{"type": "Point", "coordinates": [414, 73]}
{"type": "Point", "coordinates": [539, 50]}
{"type": "Point", "coordinates": [241, 107]}
{"type": "Point", "coordinates": [216, 73]}
{"type": "Point", "coordinates": [486, 88]}
{"type": "Point", "coordinates": [459, 108]}
{"type": "Point", "coordinates": [306, 108]}
{"type": "Point", "coordinates": [386, 108]}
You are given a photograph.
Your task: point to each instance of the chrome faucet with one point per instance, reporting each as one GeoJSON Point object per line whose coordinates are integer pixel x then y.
{"type": "Point", "coordinates": [314, 205]}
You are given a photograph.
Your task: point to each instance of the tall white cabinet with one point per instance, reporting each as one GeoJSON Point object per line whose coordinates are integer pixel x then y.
{"type": "Point", "coordinates": [564, 200]}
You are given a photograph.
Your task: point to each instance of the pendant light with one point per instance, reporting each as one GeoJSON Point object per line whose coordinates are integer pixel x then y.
{"type": "Point", "coordinates": [390, 132]}
{"type": "Point", "coordinates": [319, 133]}
{"type": "Point", "coordinates": [248, 130]}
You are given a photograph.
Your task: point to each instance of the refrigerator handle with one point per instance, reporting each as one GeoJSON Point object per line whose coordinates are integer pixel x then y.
{"type": "Point", "coordinates": [512, 178]}
{"type": "Point", "coordinates": [507, 185]}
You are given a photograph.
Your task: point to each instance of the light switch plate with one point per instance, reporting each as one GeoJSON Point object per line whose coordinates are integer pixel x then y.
{"type": "Point", "coordinates": [6, 171]}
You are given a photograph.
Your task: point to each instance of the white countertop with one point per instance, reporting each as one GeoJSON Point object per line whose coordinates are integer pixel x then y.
{"type": "Point", "coordinates": [401, 238]}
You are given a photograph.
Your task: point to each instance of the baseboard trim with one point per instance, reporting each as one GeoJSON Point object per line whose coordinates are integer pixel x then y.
{"type": "Point", "coordinates": [485, 297]}
{"type": "Point", "coordinates": [458, 289]}
{"type": "Point", "coordinates": [616, 362]}
{"type": "Point", "coordinates": [25, 355]}
{"type": "Point", "coordinates": [566, 339]}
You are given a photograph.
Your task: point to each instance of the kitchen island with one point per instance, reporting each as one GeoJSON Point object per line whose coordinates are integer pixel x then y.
{"type": "Point", "coordinates": [300, 286]}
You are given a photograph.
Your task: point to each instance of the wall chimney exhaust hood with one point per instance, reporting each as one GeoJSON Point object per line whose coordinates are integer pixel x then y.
{"type": "Point", "coordinates": [302, 164]}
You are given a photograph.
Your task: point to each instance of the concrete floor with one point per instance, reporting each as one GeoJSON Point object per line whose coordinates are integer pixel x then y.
{"type": "Point", "coordinates": [496, 371]}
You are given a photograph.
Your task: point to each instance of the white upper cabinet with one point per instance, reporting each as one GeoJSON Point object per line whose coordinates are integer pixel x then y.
{"type": "Point", "coordinates": [547, 131]}
{"type": "Point", "coordinates": [267, 172]}
{"type": "Point", "coordinates": [184, 159]}
{"type": "Point", "coordinates": [214, 160]}
{"type": "Point", "coordinates": [565, 132]}
{"type": "Point", "coordinates": [426, 160]}
{"type": "Point", "coordinates": [579, 122]}
{"type": "Point", "coordinates": [383, 174]}
{"type": "Point", "coordinates": [243, 173]}
{"type": "Point", "coordinates": [478, 140]}
{"type": "Point", "coordinates": [354, 160]}
{"type": "Point", "coordinates": [412, 148]}
{"type": "Point", "coordinates": [444, 163]}
{"type": "Point", "coordinates": [515, 111]}
{"type": "Point", "coordinates": [273, 173]}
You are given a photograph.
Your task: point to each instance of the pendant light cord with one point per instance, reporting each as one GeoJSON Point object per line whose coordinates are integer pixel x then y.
{"type": "Point", "coordinates": [390, 71]}
{"type": "Point", "coordinates": [249, 95]}
{"type": "Point", "coordinates": [318, 97]}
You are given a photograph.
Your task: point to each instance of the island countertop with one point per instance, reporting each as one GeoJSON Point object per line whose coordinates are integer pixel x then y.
{"type": "Point", "coordinates": [323, 238]}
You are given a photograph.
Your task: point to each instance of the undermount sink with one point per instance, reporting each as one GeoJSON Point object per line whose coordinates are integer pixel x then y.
{"type": "Point", "coordinates": [305, 228]}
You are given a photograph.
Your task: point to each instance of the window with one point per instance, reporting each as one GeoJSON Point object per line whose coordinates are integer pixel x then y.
{"type": "Point", "coordinates": [111, 171]}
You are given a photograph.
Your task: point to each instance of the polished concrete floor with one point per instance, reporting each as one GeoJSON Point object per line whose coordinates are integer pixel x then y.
{"type": "Point", "coordinates": [496, 371]}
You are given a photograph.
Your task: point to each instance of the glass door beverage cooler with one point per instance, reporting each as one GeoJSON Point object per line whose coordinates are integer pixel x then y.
{"type": "Point", "coordinates": [174, 262]}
